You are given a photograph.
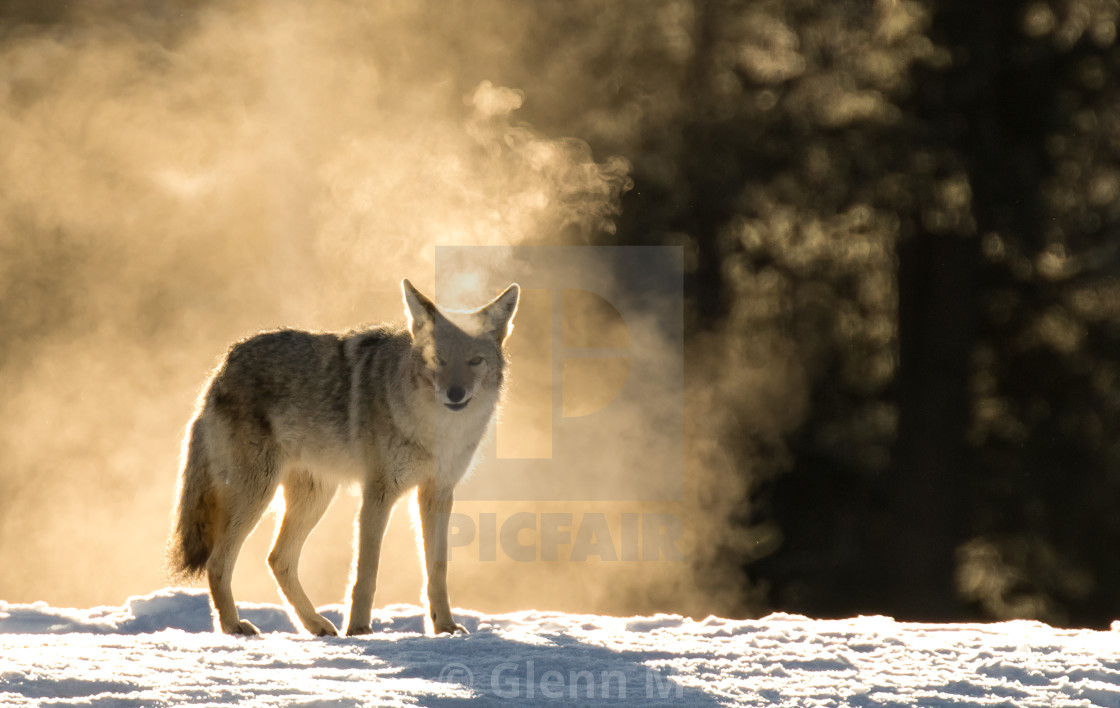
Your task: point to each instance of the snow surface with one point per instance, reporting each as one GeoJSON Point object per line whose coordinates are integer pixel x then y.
{"type": "Point", "coordinates": [159, 650]}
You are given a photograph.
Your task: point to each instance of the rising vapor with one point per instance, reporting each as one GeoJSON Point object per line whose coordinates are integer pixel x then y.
{"type": "Point", "coordinates": [177, 180]}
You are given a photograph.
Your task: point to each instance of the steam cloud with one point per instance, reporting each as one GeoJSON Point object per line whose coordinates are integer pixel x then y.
{"type": "Point", "coordinates": [175, 181]}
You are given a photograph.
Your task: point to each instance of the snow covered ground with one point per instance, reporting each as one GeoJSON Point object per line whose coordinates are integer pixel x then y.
{"type": "Point", "coordinates": [159, 650]}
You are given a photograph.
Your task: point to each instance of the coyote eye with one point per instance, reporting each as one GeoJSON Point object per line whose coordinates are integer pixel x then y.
{"type": "Point", "coordinates": [475, 361]}
{"type": "Point", "coordinates": [440, 361]}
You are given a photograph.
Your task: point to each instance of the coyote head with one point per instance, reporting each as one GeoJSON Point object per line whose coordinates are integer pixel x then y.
{"type": "Point", "coordinates": [460, 353]}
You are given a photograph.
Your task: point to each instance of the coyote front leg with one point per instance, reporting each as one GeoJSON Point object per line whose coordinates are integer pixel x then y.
{"type": "Point", "coordinates": [372, 519]}
{"type": "Point", "coordinates": [435, 511]}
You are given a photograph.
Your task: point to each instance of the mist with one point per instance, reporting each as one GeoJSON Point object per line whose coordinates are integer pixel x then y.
{"type": "Point", "coordinates": [177, 180]}
{"type": "Point", "coordinates": [828, 324]}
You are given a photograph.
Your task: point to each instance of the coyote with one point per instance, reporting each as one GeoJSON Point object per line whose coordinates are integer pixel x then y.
{"type": "Point", "coordinates": [390, 407]}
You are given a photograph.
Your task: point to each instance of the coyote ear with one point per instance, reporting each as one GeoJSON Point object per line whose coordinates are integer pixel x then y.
{"type": "Point", "coordinates": [499, 312]}
{"type": "Point", "coordinates": [420, 310]}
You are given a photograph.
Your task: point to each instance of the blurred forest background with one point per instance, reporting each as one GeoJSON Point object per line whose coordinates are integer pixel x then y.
{"type": "Point", "coordinates": [900, 225]}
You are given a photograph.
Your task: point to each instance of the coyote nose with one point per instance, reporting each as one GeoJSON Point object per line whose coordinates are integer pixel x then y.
{"type": "Point", "coordinates": [455, 394]}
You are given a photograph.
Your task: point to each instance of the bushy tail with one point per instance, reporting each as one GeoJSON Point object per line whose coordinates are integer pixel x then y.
{"type": "Point", "coordinates": [195, 516]}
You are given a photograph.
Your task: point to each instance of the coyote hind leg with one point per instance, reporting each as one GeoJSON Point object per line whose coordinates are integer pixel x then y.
{"type": "Point", "coordinates": [305, 501]}
{"type": "Point", "coordinates": [244, 501]}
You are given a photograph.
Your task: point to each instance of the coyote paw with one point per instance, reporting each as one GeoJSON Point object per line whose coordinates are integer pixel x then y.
{"type": "Point", "coordinates": [354, 630]}
{"type": "Point", "coordinates": [320, 626]}
{"type": "Point", "coordinates": [243, 628]}
{"type": "Point", "coordinates": [449, 627]}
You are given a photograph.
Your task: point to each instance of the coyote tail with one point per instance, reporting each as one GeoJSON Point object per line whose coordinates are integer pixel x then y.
{"type": "Point", "coordinates": [192, 539]}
